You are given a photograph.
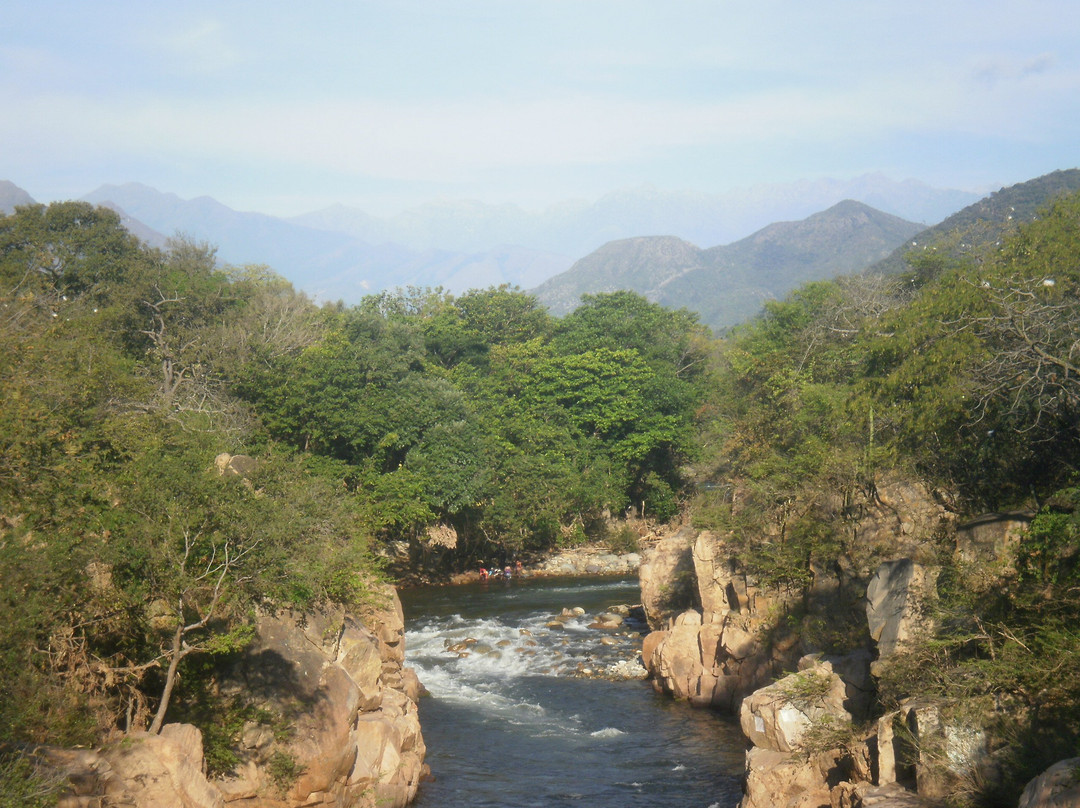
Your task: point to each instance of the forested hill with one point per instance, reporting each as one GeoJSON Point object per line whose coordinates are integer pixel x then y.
{"type": "Point", "coordinates": [728, 284]}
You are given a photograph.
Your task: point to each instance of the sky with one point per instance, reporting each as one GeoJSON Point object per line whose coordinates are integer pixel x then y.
{"type": "Point", "coordinates": [285, 108]}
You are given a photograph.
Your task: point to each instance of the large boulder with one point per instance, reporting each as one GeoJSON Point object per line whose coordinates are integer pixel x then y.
{"type": "Point", "coordinates": [1057, 787]}
{"type": "Point", "coordinates": [668, 583]}
{"type": "Point", "coordinates": [714, 664]}
{"type": "Point", "coordinates": [141, 771]}
{"type": "Point", "coordinates": [790, 780]}
{"type": "Point", "coordinates": [854, 671]}
{"type": "Point", "coordinates": [782, 716]}
{"type": "Point", "coordinates": [899, 600]}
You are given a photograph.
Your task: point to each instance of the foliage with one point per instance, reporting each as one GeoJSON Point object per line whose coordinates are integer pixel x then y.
{"type": "Point", "coordinates": [962, 373]}
{"type": "Point", "coordinates": [283, 769]}
{"type": "Point", "coordinates": [131, 565]}
{"type": "Point", "coordinates": [623, 540]}
{"type": "Point", "coordinates": [26, 785]}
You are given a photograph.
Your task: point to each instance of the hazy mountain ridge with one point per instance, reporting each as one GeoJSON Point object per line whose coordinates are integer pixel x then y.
{"type": "Point", "coordinates": [576, 227]}
{"type": "Point", "coordinates": [343, 253]}
{"type": "Point", "coordinates": [727, 284]}
{"type": "Point", "coordinates": [11, 196]}
{"type": "Point", "coordinates": [325, 263]}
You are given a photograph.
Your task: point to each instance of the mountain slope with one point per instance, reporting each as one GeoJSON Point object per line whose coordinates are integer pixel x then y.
{"type": "Point", "coordinates": [12, 195]}
{"type": "Point", "coordinates": [982, 225]}
{"type": "Point", "coordinates": [640, 264]}
{"type": "Point", "coordinates": [727, 284]}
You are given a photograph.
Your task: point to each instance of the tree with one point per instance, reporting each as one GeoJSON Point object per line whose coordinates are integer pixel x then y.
{"type": "Point", "coordinates": [204, 571]}
{"type": "Point", "coordinates": [1031, 297]}
{"type": "Point", "coordinates": [58, 253]}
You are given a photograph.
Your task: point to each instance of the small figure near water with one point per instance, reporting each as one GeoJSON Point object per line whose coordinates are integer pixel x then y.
{"type": "Point", "coordinates": [483, 574]}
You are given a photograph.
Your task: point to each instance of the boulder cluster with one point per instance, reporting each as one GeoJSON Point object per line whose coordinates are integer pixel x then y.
{"type": "Point", "coordinates": [817, 736]}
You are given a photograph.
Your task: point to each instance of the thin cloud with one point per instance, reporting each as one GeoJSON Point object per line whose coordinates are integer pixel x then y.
{"type": "Point", "coordinates": [203, 47]}
{"type": "Point", "coordinates": [1003, 70]}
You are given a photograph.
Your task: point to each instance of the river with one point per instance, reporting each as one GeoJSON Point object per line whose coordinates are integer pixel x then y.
{"type": "Point", "coordinates": [510, 722]}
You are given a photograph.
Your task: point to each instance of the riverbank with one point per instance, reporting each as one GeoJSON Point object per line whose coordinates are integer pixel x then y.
{"type": "Point", "coordinates": [588, 560]}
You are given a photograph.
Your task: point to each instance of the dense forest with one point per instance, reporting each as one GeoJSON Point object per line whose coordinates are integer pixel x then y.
{"type": "Point", "coordinates": [127, 558]}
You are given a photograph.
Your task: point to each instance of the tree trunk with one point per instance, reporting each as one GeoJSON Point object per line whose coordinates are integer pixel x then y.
{"type": "Point", "coordinates": [170, 679]}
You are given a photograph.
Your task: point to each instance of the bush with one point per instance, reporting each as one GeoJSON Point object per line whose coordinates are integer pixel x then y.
{"type": "Point", "coordinates": [623, 540]}
{"type": "Point", "coordinates": [283, 769]}
{"type": "Point", "coordinates": [26, 785]}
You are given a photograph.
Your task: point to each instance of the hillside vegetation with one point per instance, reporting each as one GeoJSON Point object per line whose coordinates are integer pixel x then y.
{"type": "Point", "coordinates": [962, 373]}
{"type": "Point", "coordinates": [978, 228]}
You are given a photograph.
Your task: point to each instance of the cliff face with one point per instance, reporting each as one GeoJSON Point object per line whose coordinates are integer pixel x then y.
{"type": "Point", "coordinates": [336, 726]}
{"type": "Point", "coordinates": [720, 634]}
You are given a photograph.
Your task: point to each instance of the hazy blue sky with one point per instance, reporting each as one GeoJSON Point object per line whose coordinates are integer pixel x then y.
{"type": "Point", "coordinates": [288, 107]}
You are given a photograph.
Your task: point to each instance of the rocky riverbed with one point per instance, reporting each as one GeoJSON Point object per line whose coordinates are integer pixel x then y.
{"type": "Point", "coordinates": [578, 561]}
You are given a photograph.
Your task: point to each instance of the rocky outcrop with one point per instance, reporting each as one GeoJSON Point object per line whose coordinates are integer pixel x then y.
{"type": "Point", "coordinates": [784, 780]}
{"type": "Point", "coordinates": [899, 600]}
{"type": "Point", "coordinates": [780, 716]}
{"type": "Point", "coordinates": [350, 706]}
{"type": "Point", "coordinates": [336, 725]}
{"type": "Point", "coordinates": [141, 770]}
{"type": "Point", "coordinates": [715, 655]}
{"type": "Point", "coordinates": [920, 747]}
{"type": "Point", "coordinates": [723, 643]}
{"type": "Point", "coordinates": [916, 755]}
{"type": "Point", "coordinates": [668, 582]}
{"type": "Point", "coordinates": [721, 634]}
{"type": "Point", "coordinates": [991, 537]}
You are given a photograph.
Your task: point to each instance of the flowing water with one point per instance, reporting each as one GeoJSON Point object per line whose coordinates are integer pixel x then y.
{"type": "Point", "coordinates": [511, 720]}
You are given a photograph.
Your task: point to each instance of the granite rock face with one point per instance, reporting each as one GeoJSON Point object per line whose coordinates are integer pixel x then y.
{"type": "Point", "coordinates": [141, 771]}
{"type": "Point", "coordinates": [779, 716]}
{"type": "Point", "coordinates": [668, 582]}
{"type": "Point", "coordinates": [338, 726]}
{"type": "Point", "coordinates": [1057, 787]}
{"type": "Point", "coordinates": [898, 603]}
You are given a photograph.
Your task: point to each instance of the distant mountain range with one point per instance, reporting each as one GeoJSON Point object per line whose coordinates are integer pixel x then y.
{"type": "Point", "coordinates": [343, 253]}
{"type": "Point", "coordinates": [575, 228]}
{"type": "Point", "coordinates": [726, 285]}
